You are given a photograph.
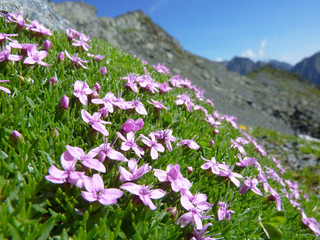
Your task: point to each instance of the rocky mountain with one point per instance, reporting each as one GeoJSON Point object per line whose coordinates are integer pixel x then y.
{"type": "Point", "coordinates": [233, 94]}
{"type": "Point", "coordinates": [288, 96]}
{"type": "Point", "coordinates": [309, 68]}
{"type": "Point", "coordinates": [242, 65]}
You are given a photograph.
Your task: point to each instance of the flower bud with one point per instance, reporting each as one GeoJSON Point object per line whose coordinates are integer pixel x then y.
{"type": "Point", "coordinates": [128, 125]}
{"type": "Point", "coordinates": [54, 133]}
{"type": "Point", "coordinates": [103, 71]}
{"type": "Point", "coordinates": [46, 45]}
{"type": "Point", "coordinates": [97, 87]}
{"type": "Point", "coordinates": [173, 211]}
{"type": "Point", "coordinates": [189, 169]}
{"type": "Point", "coordinates": [139, 123]}
{"type": "Point", "coordinates": [61, 56]}
{"type": "Point", "coordinates": [52, 81]}
{"type": "Point", "coordinates": [211, 143]}
{"type": "Point", "coordinates": [64, 103]}
{"type": "Point", "coordinates": [15, 135]}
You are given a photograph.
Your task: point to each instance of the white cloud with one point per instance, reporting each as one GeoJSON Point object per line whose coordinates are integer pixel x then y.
{"type": "Point", "coordinates": [219, 59]}
{"type": "Point", "coordinates": [255, 55]}
{"type": "Point", "coordinates": [158, 4]}
{"type": "Point", "coordinates": [249, 53]}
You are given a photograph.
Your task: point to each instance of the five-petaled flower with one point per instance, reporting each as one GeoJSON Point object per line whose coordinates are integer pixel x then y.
{"type": "Point", "coordinates": [97, 192]}
{"type": "Point", "coordinates": [174, 176]}
{"type": "Point", "coordinates": [152, 143]}
{"type": "Point", "coordinates": [81, 90]}
{"type": "Point", "coordinates": [134, 172]}
{"type": "Point", "coordinates": [145, 193]}
{"type": "Point", "coordinates": [95, 121]}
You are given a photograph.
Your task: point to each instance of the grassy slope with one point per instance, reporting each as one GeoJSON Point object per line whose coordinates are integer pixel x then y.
{"type": "Point", "coordinates": [33, 207]}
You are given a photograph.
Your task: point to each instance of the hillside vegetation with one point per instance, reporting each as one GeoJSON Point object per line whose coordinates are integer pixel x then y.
{"type": "Point", "coordinates": [96, 144]}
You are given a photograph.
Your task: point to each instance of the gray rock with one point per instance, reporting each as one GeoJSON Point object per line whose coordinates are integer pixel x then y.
{"type": "Point", "coordinates": [36, 9]}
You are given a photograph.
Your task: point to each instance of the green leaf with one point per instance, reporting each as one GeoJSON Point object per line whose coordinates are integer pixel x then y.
{"type": "Point", "coordinates": [15, 234]}
{"type": "Point", "coordinates": [278, 220]}
{"type": "Point", "coordinates": [273, 231]}
{"type": "Point", "coordinates": [46, 228]}
{"type": "Point", "coordinates": [31, 103]}
{"type": "Point", "coordinates": [38, 208]}
{"type": "Point", "coordinates": [168, 118]}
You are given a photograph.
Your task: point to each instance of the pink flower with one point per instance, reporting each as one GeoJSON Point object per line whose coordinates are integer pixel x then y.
{"type": "Point", "coordinates": [131, 125]}
{"type": "Point", "coordinates": [39, 28]}
{"type": "Point", "coordinates": [107, 101]}
{"type": "Point", "coordinates": [61, 56]}
{"type": "Point", "coordinates": [96, 57]}
{"type": "Point", "coordinates": [190, 143]}
{"type": "Point", "coordinates": [139, 107]}
{"type": "Point", "coordinates": [184, 99]}
{"type": "Point", "coordinates": [163, 87]}
{"type": "Point", "coordinates": [166, 135]}
{"type": "Point", "coordinates": [69, 174]}
{"type": "Point", "coordinates": [245, 162]}
{"type": "Point", "coordinates": [16, 18]}
{"type": "Point", "coordinates": [311, 223]}
{"type": "Point", "coordinates": [6, 55]}
{"type": "Point", "coordinates": [131, 83]}
{"type": "Point", "coordinates": [275, 197]}
{"type": "Point", "coordinates": [152, 143]}
{"type": "Point", "coordinates": [81, 44]}
{"type": "Point", "coordinates": [158, 105]}
{"type": "Point", "coordinates": [105, 150]}
{"type": "Point", "coordinates": [174, 176]}
{"type": "Point", "coordinates": [231, 175]}
{"type": "Point", "coordinates": [97, 192]}
{"type": "Point", "coordinates": [76, 60]}
{"type": "Point", "coordinates": [46, 45]}
{"type": "Point", "coordinates": [134, 172]}
{"type": "Point", "coordinates": [259, 148]}
{"type": "Point", "coordinates": [211, 164]}
{"type": "Point", "coordinates": [86, 159]}
{"type": "Point", "coordinates": [129, 143]}
{"type": "Point", "coordinates": [35, 56]}
{"type": "Point", "coordinates": [199, 199]}
{"type": "Point", "coordinates": [223, 212]}
{"type": "Point", "coordinates": [95, 121]}
{"type": "Point", "coordinates": [144, 193]}
{"type": "Point", "coordinates": [15, 135]}
{"type": "Point", "coordinates": [64, 102]}
{"type": "Point", "coordinates": [72, 33]}
{"type": "Point", "coordinates": [52, 81]}
{"type": "Point", "coordinates": [6, 90]}
{"type": "Point", "coordinates": [81, 90]}
{"type": "Point", "coordinates": [193, 214]}
{"type": "Point", "coordinates": [239, 146]}
{"type": "Point", "coordinates": [250, 184]}
{"type": "Point", "coordinates": [103, 71]}
{"type": "Point", "coordinates": [4, 36]}
{"type": "Point", "coordinates": [161, 68]}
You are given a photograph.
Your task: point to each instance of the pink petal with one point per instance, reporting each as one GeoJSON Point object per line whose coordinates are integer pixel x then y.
{"type": "Point", "coordinates": [157, 193]}
{"type": "Point", "coordinates": [89, 196]}
{"type": "Point", "coordinates": [125, 175]}
{"type": "Point", "coordinates": [29, 60]}
{"type": "Point", "coordinates": [85, 116]}
{"type": "Point", "coordinates": [161, 175]}
{"type": "Point", "coordinates": [94, 164]}
{"type": "Point", "coordinates": [132, 187]}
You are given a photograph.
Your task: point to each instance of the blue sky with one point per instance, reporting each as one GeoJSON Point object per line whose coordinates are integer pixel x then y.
{"type": "Point", "coordinates": [285, 30]}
